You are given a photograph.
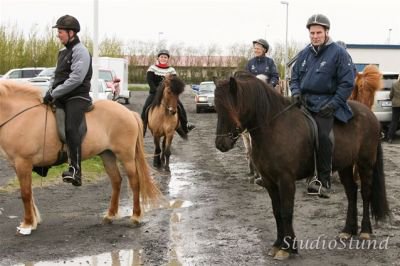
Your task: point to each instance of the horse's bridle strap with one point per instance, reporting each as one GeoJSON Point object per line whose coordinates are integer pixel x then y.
{"type": "Point", "coordinates": [17, 114]}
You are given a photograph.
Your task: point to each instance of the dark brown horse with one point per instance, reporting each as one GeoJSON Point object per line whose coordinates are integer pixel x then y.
{"type": "Point", "coordinates": [163, 118]}
{"type": "Point", "coordinates": [283, 153]}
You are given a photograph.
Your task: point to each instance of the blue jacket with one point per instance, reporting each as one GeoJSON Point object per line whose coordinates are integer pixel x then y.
{"type": "Point", "coordinates": [264, 65]}
{"type": "Point", "coordinates": [324, 77]}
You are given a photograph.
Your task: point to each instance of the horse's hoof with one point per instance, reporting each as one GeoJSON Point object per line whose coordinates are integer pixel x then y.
{"type": "Point", "coordinates": [282, 255]}
{"type": "Point", "coordinates": [272, 252]}
{"type": "Point", "coordinates": [365, 236]}
{"type": "Point", "coordinates": [344, 236]}
{"type": "Point", "coordinates": [24, 231]}
{"type": "Point", "coordinates": [107, 220]}
{"type": "Point", "coordinates": [135, 220]}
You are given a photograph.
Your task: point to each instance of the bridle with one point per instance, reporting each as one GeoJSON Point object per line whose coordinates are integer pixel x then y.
{"type": "Point", "coordinates": [238, 131]}
{"type": "Point", "coordinates": [19, 113]}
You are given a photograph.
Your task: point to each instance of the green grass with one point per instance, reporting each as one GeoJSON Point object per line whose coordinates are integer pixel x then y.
{"type": "Point", "coordinates": [92, 170]}
{"type": "Point", "coordinates": [138, 87]}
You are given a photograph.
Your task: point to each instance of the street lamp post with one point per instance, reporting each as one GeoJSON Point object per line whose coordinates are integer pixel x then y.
{"type": "Point", "coordinates": [390, 31]}
{"type": "Point", "coordinates": [286, 46]}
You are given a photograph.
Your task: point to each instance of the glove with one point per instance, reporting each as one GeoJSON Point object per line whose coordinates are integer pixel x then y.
{"type": "Point", "coordinates": [326, 111]}
{"type": "Point", "coordinates": [47, 98]}
{"type": "Point", "coordinates": [296, 99]}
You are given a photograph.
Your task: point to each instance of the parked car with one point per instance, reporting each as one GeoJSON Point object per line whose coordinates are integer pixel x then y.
{"type": "Point", "coordinates": [111, 80]}
{"type": "Point", "coordinates": [43, 79]}
{"type": "Point", "coordinates": [103, 92]}
{"type": "Point", "coordinates": [382, 107]}
{"type": "Point", "coordinates": [22, 74]}
{"type": "Point", "coordinates": [205, 97]}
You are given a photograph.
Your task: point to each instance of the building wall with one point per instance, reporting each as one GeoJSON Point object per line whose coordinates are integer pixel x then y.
{"type": "Point", "coordinates": [387, 57]}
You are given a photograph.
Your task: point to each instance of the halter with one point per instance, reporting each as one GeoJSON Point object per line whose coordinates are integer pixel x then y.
{"type": "Point", "coordinates": [17, 114]}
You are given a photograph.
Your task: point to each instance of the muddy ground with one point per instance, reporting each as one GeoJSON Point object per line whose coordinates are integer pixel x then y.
{"type": "Point", "coordinates": [217, 217]}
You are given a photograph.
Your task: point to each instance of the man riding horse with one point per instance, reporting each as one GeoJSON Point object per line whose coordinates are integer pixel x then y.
{"type": "Point", "coordinates": [70, 91]}
{"type": "Point", "coordinates": [322, 80]}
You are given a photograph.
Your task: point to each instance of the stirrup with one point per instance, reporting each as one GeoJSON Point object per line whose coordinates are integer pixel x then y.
{"type": "Point", "coordinates": [318, 183]}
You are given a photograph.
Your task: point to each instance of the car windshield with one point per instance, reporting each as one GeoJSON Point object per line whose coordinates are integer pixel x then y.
{"type": "Point", "coordinates": [388, 80]}
{"type": "Point", "coordinates": [48, 72]}
{"type": "Point", "coordinates": [106, 75]}
{"type": "Point", "coordinates": [209, 87]}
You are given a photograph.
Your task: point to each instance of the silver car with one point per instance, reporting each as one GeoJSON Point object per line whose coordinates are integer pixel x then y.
{"type": "Point", "coordinates": [43, 79]}
{"type": "Point", "coordinates": [382, 107]}
{"type": "Point", "coordinates": [205, 96]}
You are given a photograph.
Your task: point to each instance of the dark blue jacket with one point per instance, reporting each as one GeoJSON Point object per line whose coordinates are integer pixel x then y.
{"type": "Point", "coordinates": [264, 65]}
{"type": "Point", "coordinates": [324, 77]}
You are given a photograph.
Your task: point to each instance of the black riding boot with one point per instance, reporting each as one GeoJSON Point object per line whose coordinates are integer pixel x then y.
{"type": "Point", "coordinates": [186, 127]}
{"type": "Point", "coordinates": [145, 112]}
{"type": "Point", "coordinates": [73, 175]}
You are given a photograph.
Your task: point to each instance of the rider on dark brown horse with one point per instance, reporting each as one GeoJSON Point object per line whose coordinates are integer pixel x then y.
{"type": "Point", "coordinates": [70, 91]}
{"type": "Point", "coordinates": [155, 75]}
{"type": "Point", "coordinates": [322, 80]}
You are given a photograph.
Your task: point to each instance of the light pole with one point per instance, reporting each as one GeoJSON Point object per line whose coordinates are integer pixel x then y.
{"type": "Point", "coordinates": [390, 31]}
{"type": "Point", "coordinates": [286, 46]}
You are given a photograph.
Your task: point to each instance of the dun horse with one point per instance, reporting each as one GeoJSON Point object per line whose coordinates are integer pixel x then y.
{"type": "Point", "coordinates": [163, 119]}
{"type": "Point", "coordinates": [283, 152]}
{"type": "Point", "coordinates": [113, 132]}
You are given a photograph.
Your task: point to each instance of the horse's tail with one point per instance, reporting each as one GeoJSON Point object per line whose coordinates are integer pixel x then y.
{"type": "Point", "coordinates": [379, 203]}
{"type": "Point", "coordinates": [151, 196]}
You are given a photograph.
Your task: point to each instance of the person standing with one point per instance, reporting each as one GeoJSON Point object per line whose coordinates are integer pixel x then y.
{"type": "Point", "coordinates": [262, 66]}
{"type": "Point", "coordinates": [155, 75]}
{"type": "Point", "coordinates": [322, 80]}
{"type": "Point", "coordinates": [70, 91]}
{"type": "Point", "coordinates": [395, 97]}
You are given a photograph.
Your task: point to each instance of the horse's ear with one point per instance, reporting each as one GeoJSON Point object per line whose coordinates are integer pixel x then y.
{"type": "Point", "coordinates": [233, 85]}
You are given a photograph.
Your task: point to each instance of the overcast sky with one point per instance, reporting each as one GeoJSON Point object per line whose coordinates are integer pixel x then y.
{"type": "Point", "coordinates": [224, 22]}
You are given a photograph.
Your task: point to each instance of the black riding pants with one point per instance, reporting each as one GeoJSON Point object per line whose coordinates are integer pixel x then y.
{"type": "Point", "coordinates": [324, 153]}
{"type": "Point", "coordinates": [74, 131]}
{"type": "Point", "coordinates": [394, 123]}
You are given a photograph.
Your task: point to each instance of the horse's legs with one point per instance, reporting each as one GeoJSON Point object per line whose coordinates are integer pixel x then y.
{"type": "Point", "coordinates": [157, 151]}
{"type": "Point", "coordinates": [366, 193]}
{"type": "Point", "coordinates": [163, 159]}
{"type": "Point", "coordinates": [350, 187]}
{"type": "Point", "coordinates": [282, 197]}
{"type": "Point", "coordinates": [111, 167]}
{"type": "Point", "coordinates": [24, 173]}
{"type": "Point", "coordinates": [133, 178]}
{"type": "Point", "coordinates": [167, 151]}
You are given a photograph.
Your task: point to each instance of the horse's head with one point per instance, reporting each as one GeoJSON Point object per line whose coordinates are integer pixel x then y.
{"type": "Point", "coordinates": [226, 105]}
{"type": "Point", "coordinates": [172, 88]}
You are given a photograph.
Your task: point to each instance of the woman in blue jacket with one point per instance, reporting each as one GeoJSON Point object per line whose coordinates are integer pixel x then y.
{"type": "Point", "coordinates": [261, 64]}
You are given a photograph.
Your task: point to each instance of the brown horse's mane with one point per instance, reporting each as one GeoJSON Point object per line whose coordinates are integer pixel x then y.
{"type": "Point", "coordinates": [265, 101]}
{"type": "Point", "coordinates": [175, 84]}
{"type": "Point", "coordinates": [366, 84]}
{"type": "Point", "coordinates": [9, 88]}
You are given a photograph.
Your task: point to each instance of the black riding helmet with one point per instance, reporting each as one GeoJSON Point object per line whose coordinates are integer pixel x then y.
{"type": "Point", "coordinates": [263, 42]}
{"type": "Point", "coordinates": [163, 52]}
{"type": "Point", "coordinates": [318, 19]}
{"type": "Point", "coordinates": [68, 22]}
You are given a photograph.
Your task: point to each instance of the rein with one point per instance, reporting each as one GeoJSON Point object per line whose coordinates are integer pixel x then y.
{"type": "Point", "coordinates": [17, 114]}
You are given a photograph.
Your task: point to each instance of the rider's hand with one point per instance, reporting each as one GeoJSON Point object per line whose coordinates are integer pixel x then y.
{"type": "Point", "coordinates": [296, 99]}
{"type": "Point", "coordinates": [47, 98]}
{"type": "Point", "coordinates": [326, 111]}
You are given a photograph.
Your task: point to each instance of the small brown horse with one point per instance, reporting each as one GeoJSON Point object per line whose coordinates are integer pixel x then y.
{"type": "Point", "coordinates": [163, 118]}
{"type": "Point", "coordinates": [283, 152]}
{"type": "Point", "coordinates": [113, 132]}
{"type": "Point", "coordinates": [366, 84]}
